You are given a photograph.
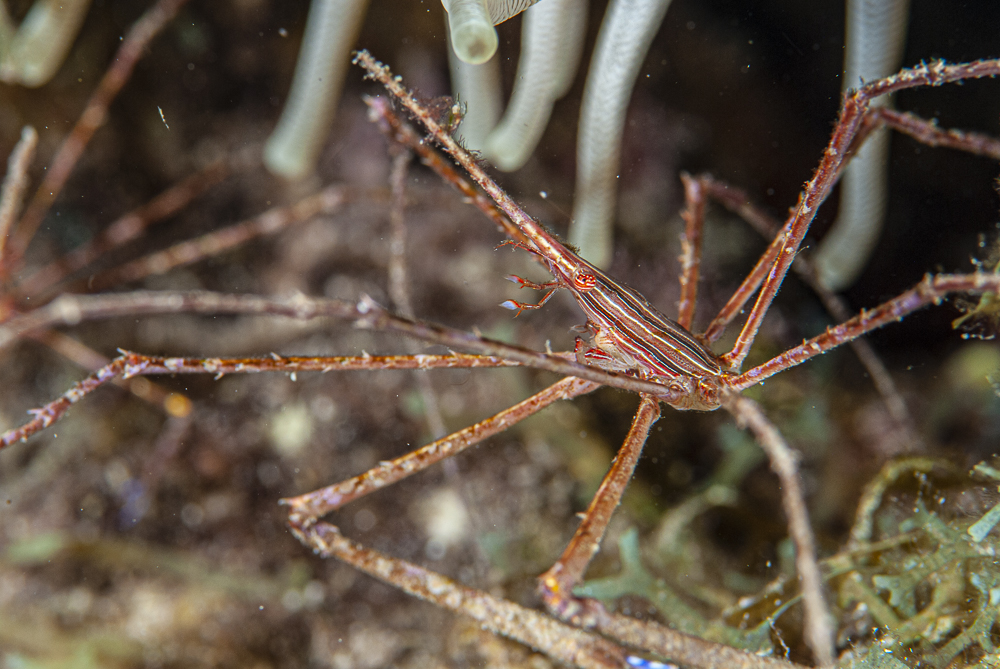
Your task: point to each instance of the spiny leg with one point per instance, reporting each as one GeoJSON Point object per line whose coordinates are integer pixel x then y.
{"type": "Point", "coordinates": [819, 635]}
{"type": "Point", "coordinates": [569, 645]}
{"type": "Point", "coordinates": [402, 133]}
{"type": "Point", "coordinates": [305, 509]}
{"type": "Point", "coordinates": [129, 365]}
{"type": "Point", "coordinates": [737, 201]}
{"type": "Point", "coordinates": [694, 220]}
{"type": "Point", "coordinates": [565, 644]}
{"type": "Point", "coordinates": [366, 313]}
{"type": "Point", "coordinates": [931, 290]}
{"type": "Point", "coordinates": [556, 584]}
{"type": "Point", "coordinates": [834, 158]}
{"type": "Point", "coordinates": [928, 133]}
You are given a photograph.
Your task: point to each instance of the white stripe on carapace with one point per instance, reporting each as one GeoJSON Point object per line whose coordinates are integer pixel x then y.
{"type": "Point", "coordinates": [659, 346]}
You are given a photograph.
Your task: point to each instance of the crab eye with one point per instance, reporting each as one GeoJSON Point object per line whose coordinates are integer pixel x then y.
{"type": "Point", "coordinates": [584, 282]}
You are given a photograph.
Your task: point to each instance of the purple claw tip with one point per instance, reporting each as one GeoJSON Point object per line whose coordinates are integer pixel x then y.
{"type": "Point", "coordinates": [510, 304]}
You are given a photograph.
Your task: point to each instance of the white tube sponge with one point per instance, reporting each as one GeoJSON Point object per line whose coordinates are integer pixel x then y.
{"type": "Point", "coordinates": [477, 87]}
{"type": "Point", "coordinates": [626, 34]}
{"type": "Point", "coordinates": [295, 145]}
{"type": "Point", "coordinates": [43, 41]}
{"type": "Point", "coordinates": [472, 34]}
{"type": "Point", "coordinates": [876, 36]}
{"type": "Point", "coordinates": [471, 25]}
{"type": "Point", "coordinates": [551, 43]}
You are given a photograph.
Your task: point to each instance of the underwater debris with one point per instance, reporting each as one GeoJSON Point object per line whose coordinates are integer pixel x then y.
{"type": "Point", "coordinates": [918, 585]}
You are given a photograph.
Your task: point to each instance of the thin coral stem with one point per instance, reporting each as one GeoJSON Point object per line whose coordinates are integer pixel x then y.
{"type": "Point", "coordinates": [399, 282]}
{"type": "Point", "coordinates": [784, 462]}
{"type": "Point", "coordinates": [125, 229]}
{"type": "Point", "coordinates": [305, 508]}
{"type": "Point", "coordinates": [93, 117]}
{"type": "Point", "coordinates": [326, 202]}
{"type": "Point", "coordinates": [15, 182]}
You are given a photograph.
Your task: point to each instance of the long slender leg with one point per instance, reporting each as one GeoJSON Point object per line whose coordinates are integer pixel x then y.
{"type": "Point", "coordinates": [694, 221]}
{"type": "Point", "coordinates": [834, 158]}
{"type": "Point", "coordinates": [401, 132]}
{"type": "Point", "coordinates": [174, 403]}
{"type": "Point", "coordinates": [927, 132]}
{"type": "Point", "coordinates": [323, 501]}
{"type": "Point", "coordinates": [367, 314]}
{"type": "Point", "coordinates": [931, 290]}
{"type": "Point", "coordinates": [568, 645]}
{"type": "Point", "coordinates": [875, 39]}
{"type": "Point", "coordinates": [736, 201]}
{"type": "Point", "coordinates": [556, 584]}
{"type": "Point", "coordinates": [134, 364]}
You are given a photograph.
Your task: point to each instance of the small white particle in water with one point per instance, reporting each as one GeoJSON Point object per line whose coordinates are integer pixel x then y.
{"type": "Point", "coordinates": [543, 194]}
{"type": "Point", "coordinates": [291, 428]}
{"type": "Point", "coordinates": [162, 117]}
